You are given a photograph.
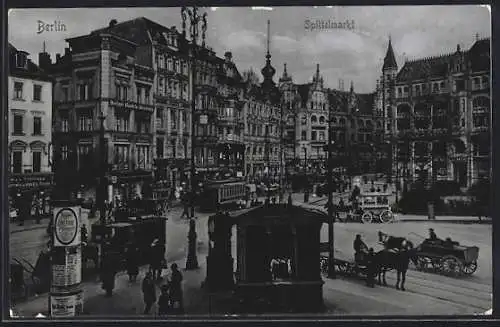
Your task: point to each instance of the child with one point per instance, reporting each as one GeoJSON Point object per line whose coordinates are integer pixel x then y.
{"type": "Point", "coordinates": [164, 301]}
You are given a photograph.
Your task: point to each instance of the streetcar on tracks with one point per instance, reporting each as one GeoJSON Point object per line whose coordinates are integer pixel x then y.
{"type": "Point", "coordinates": [447, 257]}
{"type": "Point", "coordinates": [222, 194]}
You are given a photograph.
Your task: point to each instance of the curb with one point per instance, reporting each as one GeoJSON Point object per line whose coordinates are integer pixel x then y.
{"type": "Point", "coordinates": [451, 221]}
{"type": "Point", "coordinates": [27, 229]}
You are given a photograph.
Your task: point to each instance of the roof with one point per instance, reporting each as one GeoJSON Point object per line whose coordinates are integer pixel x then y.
{"type": "Point", "coordinates": [280, 213]}
{"type": "Point", "coordinates": [390, 59]}
{"type": "Point", "coordinates": [303, 91]}
{"type": "Point", "coordinates": [366, 102]}
{"type": "Point", "coordinates": [478, 56]}
{"type": "Point", "coordinates": [135, 30]}
{"type": "Point", "coordinates": [32, 71]}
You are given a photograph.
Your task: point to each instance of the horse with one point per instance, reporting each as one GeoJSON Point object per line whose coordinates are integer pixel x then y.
{"type": "Point", "coordinates": [398, 260]}
{"type": "Point", "coordinates": [392, 242]}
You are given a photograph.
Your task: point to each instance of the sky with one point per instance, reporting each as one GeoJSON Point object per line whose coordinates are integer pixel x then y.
{"type": "Point", "coordinates": [351, 52]}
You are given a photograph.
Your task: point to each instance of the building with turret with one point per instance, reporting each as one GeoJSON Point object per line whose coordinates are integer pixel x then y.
{"type": "Point", "coordinates": [356, 127]}
{"type": "Point", "coordinates": [263, 128]}
{"type": "Point", "coordinates": [437, 115]}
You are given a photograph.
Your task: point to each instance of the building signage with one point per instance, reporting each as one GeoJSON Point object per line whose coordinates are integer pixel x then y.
{"type": "Point", "coordinates": [66, 305]}
{"type": "Point", "coordinates": [30, 181]}
{"type": "Point", "coordinates": [203, 119]}
{"type": "Point", "coordinates": [69, 271]}
{"type": "Point", "coordinates": [66, 226]}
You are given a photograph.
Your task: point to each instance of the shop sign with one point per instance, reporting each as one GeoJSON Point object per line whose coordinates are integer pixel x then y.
{"type": "Point", "coordinates": [67, 226]}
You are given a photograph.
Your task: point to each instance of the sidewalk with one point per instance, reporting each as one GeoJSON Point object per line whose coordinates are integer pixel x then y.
{"type": "Point", "coordinates": [127, 297]}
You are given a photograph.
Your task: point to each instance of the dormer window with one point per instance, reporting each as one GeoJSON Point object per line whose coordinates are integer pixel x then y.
{"type": "Point", "coordinates": [21, 60]}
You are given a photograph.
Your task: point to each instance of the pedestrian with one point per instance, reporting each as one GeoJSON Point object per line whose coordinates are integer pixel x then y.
{"type": "Point", "coordinates": [176, 289]}
{"type": "Point", "coordinates": [370, 268]}
{"type": "Point", "coordinates": [132, 263]}
{"type": "Point", "coordinates": [37, 207]}
{"type": "Point", "coordinates": [149, 292]}
{"type": "Point", "coordinates": [185, 202]}
{"type": "Point", "coordinates": [164, 300]}
{"type": "Point", "coordinates": [108, 272]}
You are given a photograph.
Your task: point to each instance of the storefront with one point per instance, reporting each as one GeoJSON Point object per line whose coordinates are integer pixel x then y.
{"type": "Point", "coordinates": [33, 188]}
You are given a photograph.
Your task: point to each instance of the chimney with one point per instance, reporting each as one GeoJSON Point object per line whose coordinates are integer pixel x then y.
{"type": "Point", "coordinates": [44, 60]}
{"type": "Point", "coordinates": [113, 22]}
{"type": "Point", "coordinates": [228, 55]}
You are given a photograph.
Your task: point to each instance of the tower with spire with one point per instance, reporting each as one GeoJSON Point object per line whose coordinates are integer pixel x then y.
{"type": "Point", "coordinates": [268, 71]}
{"type": "Point", "coordinates": [386, 89]}
{"type": "Point", "coordinates": [318, 79]}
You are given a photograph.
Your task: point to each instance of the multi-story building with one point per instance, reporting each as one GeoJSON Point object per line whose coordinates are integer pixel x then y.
{"type": "Point", "coordinates": [263, 128]}
{"type": "Point", "coordinates": [355, 123]}
{"type": "Point", "coordinates": [30, 121]}
{"type": "Point", "coordinates": [138, 74]}
{"type": "Point", "coordinates": [437, 115]}
{"type": "Point", "coordinates": [231, 124]}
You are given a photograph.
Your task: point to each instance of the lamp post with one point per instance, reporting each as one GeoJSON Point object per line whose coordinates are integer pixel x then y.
{"type": "Point", "coordinates": [101, 201]}
{"type": "Point", "coordinates": [194, 21]}
{"type": "Point", "coordinates": [331, 219]}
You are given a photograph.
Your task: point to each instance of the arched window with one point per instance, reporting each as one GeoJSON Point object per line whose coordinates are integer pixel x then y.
{"type": "Point", "coordinates": [480, 111]}
{"type": "Point", "coordinates": [314, 119]}
{"type": "Point", "coordinates": [322, 119]}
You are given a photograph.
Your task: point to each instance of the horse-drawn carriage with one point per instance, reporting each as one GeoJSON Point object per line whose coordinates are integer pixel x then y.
{"type": "Point", "coordinates": [368, 208]}
{"type": "Point", "coordinates": [27, 279]}
{"type": "Point", "coordinates": [446, 257]}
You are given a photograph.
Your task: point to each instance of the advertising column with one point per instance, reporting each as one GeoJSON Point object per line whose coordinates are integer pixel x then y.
{"type": "Point", "coordinates": [66, 295]}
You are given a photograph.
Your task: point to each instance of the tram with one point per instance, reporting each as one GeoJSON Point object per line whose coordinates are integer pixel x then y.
{"type": "Point", "coordinates": [221, 194]}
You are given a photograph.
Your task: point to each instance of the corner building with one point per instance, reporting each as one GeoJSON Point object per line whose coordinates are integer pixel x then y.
{"type": "Point", "coordinates": [437, 113]}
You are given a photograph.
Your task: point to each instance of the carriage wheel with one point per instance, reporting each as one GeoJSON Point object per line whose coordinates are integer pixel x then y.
{"type": "Point", "coordinates": [423, 263]}
{"type": "Point", "coordinates": [367, 217]}
{"type": "Point", "coordinates": [343, 268]}
{"type": "Point", "coordinates": [470, 268]}
{"type": "Point", "coordinates": [386, 216]}
{"type": "Point", "coordinates": [451, 266]}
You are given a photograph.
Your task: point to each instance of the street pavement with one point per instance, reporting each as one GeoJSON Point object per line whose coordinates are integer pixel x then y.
{"type": "Point", "coordinates": [426, 293]}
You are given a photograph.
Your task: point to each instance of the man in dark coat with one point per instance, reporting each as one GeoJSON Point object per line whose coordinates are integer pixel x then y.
{"type": "Point", "coordinates": [156, 258]}
{"type": "Point", "coordinates": [164, 300]}
{"type": "Point", "coordinates": [149, 292]}
{"type": "Point", "coordinates": [132, 262]}
{"type": "Point", "coordinates": [176, 289]}
{"type": "Point", "coordinates": [108, 272]}
{"type": "Point", "coordinates": [185, 202]}
{"type": "Point", "coordinates": [360, 249]}
{"type": "Point", "coordinates": [370, 268]}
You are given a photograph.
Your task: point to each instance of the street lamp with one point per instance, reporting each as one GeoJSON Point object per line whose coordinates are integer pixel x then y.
{"type": "Point", "coordinates": [194, 21]}
{"type": "Point", "coordinates": [331, 254]}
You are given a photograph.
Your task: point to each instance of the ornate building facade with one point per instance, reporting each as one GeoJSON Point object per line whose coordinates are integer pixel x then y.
{"type": "Point", "coordinates": [438, 116]}
{"type": "Point", "coordinates": [138, 74]}
{"type": "Point", "coordinates": [29, 126]}
{"type": "Point", "coordinates": [263, 128]}
{"type": "Point", "coordinates": [312, 109]}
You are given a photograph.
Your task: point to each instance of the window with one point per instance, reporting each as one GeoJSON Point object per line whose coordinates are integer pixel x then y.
{"type": "Point", "coordinates": [64, 124]}
{"type": "Point", "coordinates": [435, 88]}
{"type": "Point", "coordinates": [85, 156]}
{"type": "Point", "coordinates": [159, 147]}
{"type": "Point", "coordinates": [18, 124]}
{"type": "Point", "coordinates": [146, 96]}
{"type": "Point", "coordinates": [21, 60]}
{"type": "Point", "coordinates": [143, 157]}
{"type": "Point", "coordinates": [122, 123]}
{"type": "Point", "coordinates": [18, 90]}
{"type": "Point", "coordinates": [173, 120]}
{"type": "Point", "coordinates": [37, 161]}
{"type": "Point", "coordinates": [64, 152]}
{"type": "Point", "coordinates": [142, 125]}
{"type": "Point", "coordinates": [121, 156]}
{"type": "Point", "coordinates": [321, 136]}
{"type": "Point", "coordinates": [303, 136]}
{"type": "Point", "coordinates": [37, 92]}
{"type": "Point", "coordinates": [84, 123]}
{"type": "Point", "coordinates": [17, 162]}
{"type": "Point", "coordinates": [84, 91]}
{"type": "Point", "coordinates": [139, 94]}
{"type": "Point", "coordinates": [37, 126]}
{"type": "Point", "coordinates": [459, 85]}
{"type": "Point", "coordinates": [304, 120]}
{"type": "Point", "coordinates": [314, 135]}
{"type": "Point", "coordinates": [486, 82]}
{"type": "Point", "coordinates": [65, 91]}
{"type": "Point", "coordinates": [121, 92]}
